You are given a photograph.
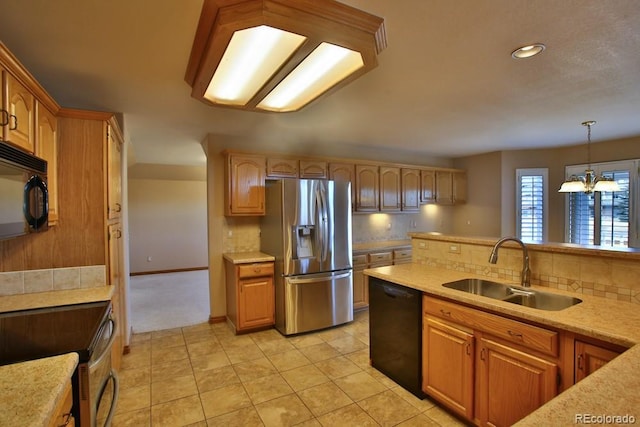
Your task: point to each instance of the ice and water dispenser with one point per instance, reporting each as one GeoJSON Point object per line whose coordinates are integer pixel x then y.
{"type": "Point", "coordinates": [305, 237]}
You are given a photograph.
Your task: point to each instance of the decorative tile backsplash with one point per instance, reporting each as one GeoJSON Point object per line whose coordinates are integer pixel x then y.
{"type": "Point", "coordinates": [613, 278]}
{"type": "Point", "coordinates": [56, 279]}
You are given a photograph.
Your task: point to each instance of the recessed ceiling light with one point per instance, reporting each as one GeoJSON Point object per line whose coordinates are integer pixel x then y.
{"type": "Point", "coordinates": [528, 51]}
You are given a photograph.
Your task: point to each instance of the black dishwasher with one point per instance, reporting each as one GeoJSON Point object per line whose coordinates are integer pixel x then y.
{"type": "Point", "coordinates": [395, 332]}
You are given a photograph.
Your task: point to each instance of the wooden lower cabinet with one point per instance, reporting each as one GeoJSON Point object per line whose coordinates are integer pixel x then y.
{"type": "Point", "coordinates": [511, 383]}
{"type": "Point", "coordinates": [250, 295]}
{"type": "Point", "coordinates": [589, 358]}
{"type": "Point", "coordinates": [448, 365]}
{"type": "Point", "coordinates": [62, 415]}
{"type": "Point", "coordinates": [360, 288]}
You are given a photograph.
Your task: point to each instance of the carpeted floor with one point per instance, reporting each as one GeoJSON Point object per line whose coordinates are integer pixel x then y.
{"type": "Point", "coordinates": [169, 300]}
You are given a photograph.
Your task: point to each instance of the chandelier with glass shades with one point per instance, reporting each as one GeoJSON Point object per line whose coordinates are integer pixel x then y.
{"type": "Point", "coordinates": [590, 182]}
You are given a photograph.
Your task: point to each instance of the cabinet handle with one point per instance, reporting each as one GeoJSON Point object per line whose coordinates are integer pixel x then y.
{"type": "Point", "coordinates": [580, 367]}
{"type": "Point", "coordinates": [515, 335]}
{"type": "Point", "coordinates": [482, 354]}
{"type": "Point", "coordinates": [4, 118]}
{"type": "Point", "coordinates": [468, 349]}
{"type": "Point", "coordinates": [445, 313]}
{"type": "Point", "coordinates": [15, 122]}
{"type": "Point", "coordinates": [118, 207]}
{"type": "Point", "coordinates": [67, 419]}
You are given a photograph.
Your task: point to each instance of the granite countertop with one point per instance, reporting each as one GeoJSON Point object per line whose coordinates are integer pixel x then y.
{"type": "Point", "coordinates": [54, 298]}
{"type": "Point", "coordinates": [30, 391]}
{"type": "Point", "coordinates": [248, 257]}
{"type": "Point", "coordinates": [612, 390]}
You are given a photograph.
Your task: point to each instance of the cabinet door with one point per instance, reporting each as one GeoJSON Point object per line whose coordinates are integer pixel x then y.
{"type": "Point", "coordinates": [21, 106]}
{"type": "Point", "coordinates": [427, 186]}
{"type": "Point", "coordinates": [116, 280]}
{"type": "Point", "coordinates": [410, 190]}
{"type": "Point", "coordinates": [114, 174]}
{"type": "Point", "coordinates": [313, 169]}
{"type": "Point", "coordinates": [459, 183]}
{"type": "Point", "coordinates": [245, 185]}
{"type": "Point", "coordinates": [444, 187]}
{"type": "Point", "coordinates": [512, 384]}
{"type": "Point", "coordinates": [256, 302]}
{"type": "Point", "coordinates": [47, 149]}
{"type": "Point", "coordinates": [367, 188]}
{"type": "Point", "coordinates": [389, 189]}
{"type": "Point", "coordinates": [360, 288]}
{"type": "Point", "coordinates": [282, 168]}
{"type": "Point", "coordinates": [447, 365]}
{"type": "Point", "coordinates": [344, 172]}
{"type": "Point", "coordinates": [589, 358]}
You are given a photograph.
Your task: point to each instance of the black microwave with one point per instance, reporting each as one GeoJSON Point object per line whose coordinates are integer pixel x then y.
{"type": "Point", "coordinates": [24, 199]}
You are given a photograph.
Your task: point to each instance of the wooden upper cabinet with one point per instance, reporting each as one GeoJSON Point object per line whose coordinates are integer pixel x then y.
{"type": "Point", "coordinates": [245, 187]}
{"type": "Point", "coordinates": [410, 194]}
{"type": "Point", "coordinates": [367, 188]}
{"type": "Point", "coordinates": [20, 104]}
{"type": "Point", "coordinates": [459, 187]}
{"type": "Point", "coordinates": [114, 172]}
{"type": "Point", "coordinates": [389, 189]}
{"type": "Point", "coordinates": [427, 186]}
{"type": "Point", "coordinates": [282, 168]}
{"type": "Point", "coordinates": [46, 147]}
{"type": "Point", "coordinates": [313, 169]}
{"type": "Point", "coordinates": [451, 187]}
{"type": "Point", "coordinates": [344, 172]}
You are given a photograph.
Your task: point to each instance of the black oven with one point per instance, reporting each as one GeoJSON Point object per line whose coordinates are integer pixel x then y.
{"type": "Point", "coordinates": [24, 204]}
{"type": "Point", "coordinates": [86, 329]}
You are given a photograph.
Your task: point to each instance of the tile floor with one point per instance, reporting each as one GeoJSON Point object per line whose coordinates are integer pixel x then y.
{"type": "Point", "coordinates": [204, 375]}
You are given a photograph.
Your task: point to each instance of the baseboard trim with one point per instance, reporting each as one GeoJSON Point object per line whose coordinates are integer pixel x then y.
{"type": "Point", "coordinates": [177, 270]}
{"type": "Point", "coordinates": [217, 319]}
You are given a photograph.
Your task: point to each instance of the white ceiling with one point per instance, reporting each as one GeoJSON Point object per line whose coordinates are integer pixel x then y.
{"type": "Point", "coordinates": [446, 86]}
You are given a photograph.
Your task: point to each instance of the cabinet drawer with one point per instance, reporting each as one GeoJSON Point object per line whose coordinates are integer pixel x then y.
{"type": "Point", "coordinates": [401, 253]}
{"type": "Point", "coordinates": [255, 270]}
{"type": "Point", "coordinates": [359, 259]}
{"type": "Point", "coordinates": [380, 257]}
{"type": "Point", "coordinates": [514, 331]}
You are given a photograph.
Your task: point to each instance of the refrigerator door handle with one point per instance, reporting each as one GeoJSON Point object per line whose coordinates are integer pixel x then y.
{"type": "Point", "coordinates": [324, 227]}
{"type": "Point", "coordinates": [315, 278]}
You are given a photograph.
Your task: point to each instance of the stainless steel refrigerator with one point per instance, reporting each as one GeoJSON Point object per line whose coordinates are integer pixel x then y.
{"type": "Point", "coordinates": [307, 228]}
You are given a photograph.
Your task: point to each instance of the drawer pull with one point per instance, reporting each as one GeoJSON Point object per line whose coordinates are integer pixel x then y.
{"type": "Point", "coordinates": [66, 419]}
{"type": "Point", "coordinates": [517, 335]}
{"type": "Point", "coordinates": [445, 313]}
{"type": "Point", "coordinates": [482, 354]}
{"type": "Point", "coordinates": [580, 367]}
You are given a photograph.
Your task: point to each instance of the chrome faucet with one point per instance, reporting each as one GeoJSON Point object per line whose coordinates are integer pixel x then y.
{"type": "Point", "coordinates": [526, 272]}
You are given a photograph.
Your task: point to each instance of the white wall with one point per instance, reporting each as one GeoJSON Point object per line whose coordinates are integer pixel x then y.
{"type": "Point", "coordinates": [167, 222]}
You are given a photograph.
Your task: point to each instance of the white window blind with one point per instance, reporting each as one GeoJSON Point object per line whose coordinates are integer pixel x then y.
{"type": "Point", "coordinates": [531, 201]}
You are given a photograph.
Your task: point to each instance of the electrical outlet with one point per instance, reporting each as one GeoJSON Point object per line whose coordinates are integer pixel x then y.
{"type": "Point", "coordinates": [422, 245]}
{"type": "Point", "coordinates": [148, 259]}
{"type": "Point", "coordinates": [454, 249]}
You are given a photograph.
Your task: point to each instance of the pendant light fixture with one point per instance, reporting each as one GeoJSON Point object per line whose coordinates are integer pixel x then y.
{"type": "Point", "coordinates": [590, 182]}
{"type": "Point", "coordinates": [280, 55]}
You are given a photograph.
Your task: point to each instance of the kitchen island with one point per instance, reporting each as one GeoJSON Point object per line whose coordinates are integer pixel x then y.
{"type": "Point", "coordinates": [612, 390]}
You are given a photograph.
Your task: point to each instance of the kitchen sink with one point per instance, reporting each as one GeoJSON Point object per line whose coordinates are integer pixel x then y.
{"type": "Point", "coordinates": [513, 294]}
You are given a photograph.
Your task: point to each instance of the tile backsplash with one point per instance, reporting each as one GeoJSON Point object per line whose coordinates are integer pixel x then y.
{"type": "Point", "coordinates": [613, 278]}
{"type": "Point", "coordinates": [55, 279]}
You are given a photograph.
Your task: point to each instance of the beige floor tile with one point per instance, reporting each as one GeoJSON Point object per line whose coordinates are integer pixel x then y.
{"type": "Point", "coordinates": [324, 398]}
{"type": "Point", "coordinates": [351, 415]}
{"type": "Point", "coordinates": [165, 333]}
{"type": "Point", "coordinates": [420, 421]}
{"type": "Point", "coordinates": [243, 353]}
{"type": "Point", "coordinates": [337, 367]}
{"type": "Point", "coordinates": [305, 341]}
{"type": "Point", "coordinates": [331, 334]}
{"type": "Point", "coordinates": [288, 360]}
{"type": "Point", "coordinates": [443, 417]}
{"type": "Point", "coordinates": [360, 385]}
{"type": "Point", "coordinates": [216, 378]}
{"type": "Point", "coordinates": [231, 341]}
{"type": "Point", "coordinates": [283, 411]}
{"type": "Point", "coordinates": [168, 341]}
{"type": "Point", "coordinates": [165, 371]}
{"type": "Point", "coordinates": [304, 377]}
{"type": "Point", "coordinates": [313, 422]}
{"type": "Point", "coordinates": [181, 412]}
{"type": "Point", "coordinates": [360, 358]}
{"type": "Point", "coordinates": [421, 404]}
{"type": "Point", "coordinates": [206, 335]}
{"type": "Point", "coordinates": [245, 417]}
{"type": "Point", "coordinates": [210, 361]}
{"type": "Point", "coordinates": [172, 389]}
{"type": "Point", "coordinates": [134, 377]}
{"type": "Point", "coordinates": [139, 338]}
{"type": "Point", "coordinates": [267, 388]}
{"type": "Point", "coordinates": [136, 359]}
{"type": "Point", "coordinates": [275, 346]}
{"type": "Point", "coordinates": [348, 344]}
{"type": "Point", "coordinates": [387, 408]}
{"type": "Point", "coordinates": [254, 369]}
{"type": "Point", "coordinates": [140, 418]}
{"type": "Point", "coordinates": [224, 400]}
{"type": "Point", "coordinates": [166, 355]}
{"type": "Point", "coordinates": [319, 352]}
{"type": "Point", "coordinates": [134, 398]}
{"type": "Point", "coordinates": [203, 348]}
{"type": "Point", "coordinates": [267, 335]}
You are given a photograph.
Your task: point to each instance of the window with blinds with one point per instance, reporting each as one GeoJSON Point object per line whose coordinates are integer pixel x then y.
{"type": "Point", "coordinates": [603, 218]}
{"type": "Point", "coordinates": [531, 200]}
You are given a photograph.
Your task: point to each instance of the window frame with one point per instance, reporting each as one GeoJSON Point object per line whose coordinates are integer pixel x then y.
{"type": "Point", "coordinates": [522, 172]}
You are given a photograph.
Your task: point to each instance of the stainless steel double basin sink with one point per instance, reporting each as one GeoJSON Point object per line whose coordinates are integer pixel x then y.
{"type": "Point", "coordinates": [513, 294]}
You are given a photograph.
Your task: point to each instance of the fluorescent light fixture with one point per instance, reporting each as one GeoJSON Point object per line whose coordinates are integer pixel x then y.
{"type": "Point", "coordinates": [327, 65]}
{"type": "Point", "coordinates": [252, 57]}
{"type": "Point", "coordinates": [528, 51]}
